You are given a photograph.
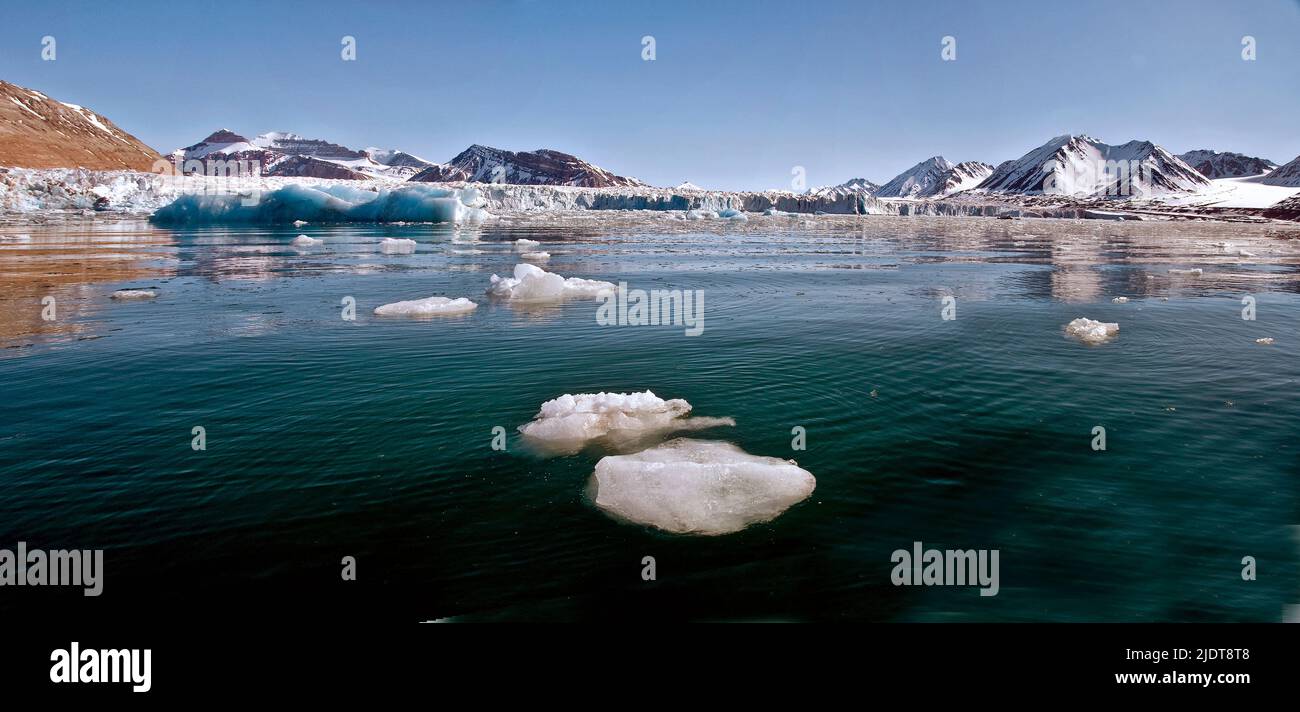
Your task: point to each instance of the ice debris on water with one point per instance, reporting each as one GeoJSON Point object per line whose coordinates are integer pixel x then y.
{"type": "Point", "coordinates": [429, 306]}
{"type": "Point", "coordinates": [305, 241]}
{"type": "Point", "coordinates": [537, 256]}
{"type": "Point", "coordinates": [531, 283]}
{"type": "Point", "coordinates": [523, 244]}
{"type": "Point", "coordinates": [1120, 300]}
{"type": "Point", "coordinates": [396, 246]}
{"type": "Point", "coordinates": [1194, 272]}
{"type": "Point", "coordinates": [134, 294]}
{"type": "Point", "coordinates": [571, 421]}
{"type": "Point", "coordinates": [1092, 332]}
{"type": "Point", "coordinates": [1266, 341]}
{"type": "Point", "coordinates": [298, 203]}
{"type": "Point", "coordinates": [702, 487]}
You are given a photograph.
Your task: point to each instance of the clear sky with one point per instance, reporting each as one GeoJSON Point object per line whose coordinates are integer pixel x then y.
{"type": "Point", "coordinates": [738, 95]}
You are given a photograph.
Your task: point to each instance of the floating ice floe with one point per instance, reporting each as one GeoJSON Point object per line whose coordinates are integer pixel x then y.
{"type": "Point", "coordinates": [570, 422]}
{"type": "Point", "coordinates": [467, 252]}
{"type": "Point", "coordinates": [777, 213]}
{"type": "Point", "coordinates": [1194, 272]}
{"type": "Point", "coordinates": [730, 214]}
{"type": "Point", "coordinates": [1120, 300]}
{"type": "Point", "coordinates": [396, 246]}
{"type": "Point", "coordinates": [329, 203]}
{"type": "Point", "coordinates": [531, 283]}
{"type": "Point", "coordinates": [429, 306]}
{"type": "Point", "coordinates": [299, 223]}
{"type": "Point", "coordinates": [703, 487]}
{"type": "Point", "coordinates": [134, 294]}
{"type": "Point", "coordinates": [305, 241]}
{"type": "Point", "coordinates": [524, 244]}
{"type": "Point", "coordinates": [1266, 341]}
{"type": "Point", "coordinates": [700, 214]}
{"type": "Point", "coordinates": [1092, 332]}
{"type": "Point", "coordinates": [536, 256]}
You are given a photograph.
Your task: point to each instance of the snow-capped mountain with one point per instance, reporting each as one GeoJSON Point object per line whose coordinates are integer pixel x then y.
{"type": "Point", "coordinates": [1085, 167]}
{"type": "Point", "coordinates": [852, 185]}
{"type": "Point", "coordinates": [1288, 175]}
{"type": "Point", "coordinates": [1225, 164]}
{"type": "Point", "coordinates": [39, 132]}
{"type": "Point", "coordinates": [934, 177]}
{"type": "Point", "coordinates": [484, 164]}
{"type": "Point", "coordinates": [285, 154]}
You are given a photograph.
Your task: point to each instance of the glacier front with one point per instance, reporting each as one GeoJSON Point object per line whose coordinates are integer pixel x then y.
{"type": "Point", "coordinates": [328, 204]}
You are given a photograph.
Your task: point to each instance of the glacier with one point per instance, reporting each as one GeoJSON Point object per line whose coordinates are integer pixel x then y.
{"type": "Point", "coordinates": [329, 204]}
{"type": "Point", "coordinates": [701, 487]}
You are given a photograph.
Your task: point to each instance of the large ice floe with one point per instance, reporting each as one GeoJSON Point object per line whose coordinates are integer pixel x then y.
{"type": "Point", "coordinates": [531, 283]}
{"type": "Point", "coordinates": [571, 422]}
{"type": "Point", "coordinates": [703, 487]}
{"type": "Point", "coordinates": [429, 306]}
{"type": "Point", "coordinates": [1091, 332]}
{"type": "Point", "coordinates": [329, 203]}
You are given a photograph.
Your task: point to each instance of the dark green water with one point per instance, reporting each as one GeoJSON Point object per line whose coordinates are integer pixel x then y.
{"type": "Point", "coordinates": [372, 438]}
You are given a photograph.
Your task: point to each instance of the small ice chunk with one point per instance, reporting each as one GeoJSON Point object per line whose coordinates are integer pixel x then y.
{"type": "Point", "coordinates": [1266, 341]}
{"type": "Point", "coordinates": [570, 422]}
{"type": "Point", "coordinates": [537, 256]}
{"type": "Point", "coordinates": [429, 306]}
{"type": "Point", "coordinates": [1091, 332]}
{"type": "Point", "coordinates": [531, 283]}
{"type": "Point", "coordinates": [523, 244]}
{"type": "Point", "coordinates": [777, 213]}
{"type": "Point", "coordinates": [700, 214]}
{"type": "Point", "coordinates": [702, 487]}
{"type": "Point", "coordinates": [1120, 300]}
{"type": "Point", "coordinates": [396, 246]}
{"type": "Point", "coordinates": [304, 241]}
{"type": "Point", "coordinates": [731, 214]}
{"type": "Point", "coordinates": [1244, 253]}
{"type": "Point", "coordinates": [1194, 272]}
{"type": "Point", "coordinates": [299, 223]}
{"type": "Point", "coordinates": [134, 294]}
{"type": "Point", "coordinates": [466, 252]}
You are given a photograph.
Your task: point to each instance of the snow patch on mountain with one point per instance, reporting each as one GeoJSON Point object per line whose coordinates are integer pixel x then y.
{"type": "Point", "coordinates": [1081, 166]}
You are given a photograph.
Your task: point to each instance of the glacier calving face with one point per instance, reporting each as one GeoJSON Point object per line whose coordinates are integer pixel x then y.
{"type": "Point", "coordinates": [699, 487]}
{"type": "Point", "coordinates": [573, 421]}
{"type": "Point", "coordinates": [316, 203]}
{"type": "Point", "coordinates": [531, 283]}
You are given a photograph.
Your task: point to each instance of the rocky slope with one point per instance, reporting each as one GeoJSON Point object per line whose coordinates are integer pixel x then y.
{"type": "Point", "coordinates": [39, 132]}
{"type": "Point", "coordinates": [1287, 175]}
{"type": "Point", "coordinates": [1225, 164]}
{"type": "Point", "coordinates": [484, 164]}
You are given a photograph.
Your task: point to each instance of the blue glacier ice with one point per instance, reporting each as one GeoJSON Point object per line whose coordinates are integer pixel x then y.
{"type": "Point", "coordinates": [328, 203]}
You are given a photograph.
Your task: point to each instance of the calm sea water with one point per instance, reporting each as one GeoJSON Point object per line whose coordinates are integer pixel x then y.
{"type": "Point", "coordinates": [371, 438]}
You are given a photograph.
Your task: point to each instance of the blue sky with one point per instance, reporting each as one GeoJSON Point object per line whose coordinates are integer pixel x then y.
{"type": "Point", "coordinates": [739, 92]}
